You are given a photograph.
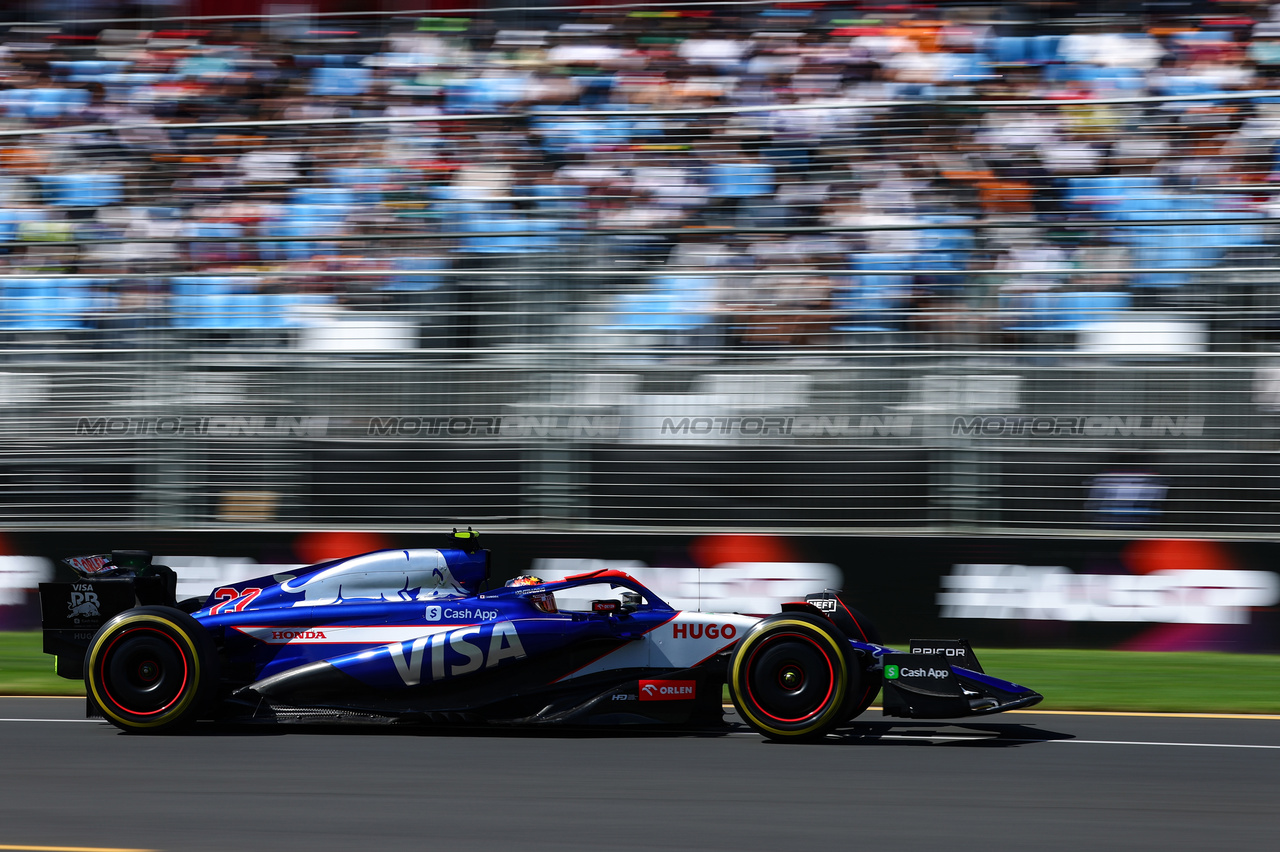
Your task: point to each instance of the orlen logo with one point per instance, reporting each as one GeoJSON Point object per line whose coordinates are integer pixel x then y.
{"type": "Point", "coordinates": [89, 564]}
{"type": "Point", "coordinates": [697, 631]}
{"type": "Point", "coordinates": [290, 635]}
{"type": "Point", "coordinates": [668, 690]}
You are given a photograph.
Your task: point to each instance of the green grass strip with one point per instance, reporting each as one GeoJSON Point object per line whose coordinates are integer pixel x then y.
{"type": "Point", "coordinates": [1068, 679]}
{"type": "Point", "coordinates": [1136, 681]}
{"type": "Point", "coordinates": [25, 670]}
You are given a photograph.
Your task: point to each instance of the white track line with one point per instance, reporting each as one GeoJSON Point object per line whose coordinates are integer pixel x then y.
{"type": "Point", "coordinates": [95, 721]}
{"type": "Point", "coordinates": [1142, 743]}
{"type": "Point", "coordinates": [1019, 740]}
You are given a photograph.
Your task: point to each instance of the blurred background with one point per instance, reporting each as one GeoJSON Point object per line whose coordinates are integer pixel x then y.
{"type": "Point", "coordinates": [972, 308]}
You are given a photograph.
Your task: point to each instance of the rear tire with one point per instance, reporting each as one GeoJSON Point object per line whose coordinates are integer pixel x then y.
{"type": "Point", "coordinates": [791, 677]}
{"type": "Point", "coordinates": [151, 669]}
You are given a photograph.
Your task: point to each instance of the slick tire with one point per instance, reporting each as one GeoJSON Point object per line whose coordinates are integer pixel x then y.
{"type": "Point", "coordinates": [870, 680]}
{"type": "Point", "coordinates": [791, 677]}
{"type": "Point", "coordinates": [151, 669]}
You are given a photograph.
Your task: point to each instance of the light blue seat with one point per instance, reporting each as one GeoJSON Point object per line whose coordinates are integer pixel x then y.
{"type": "Point", "coordinates": [1033, 312]}
{"type": "Point", "coordinates": [677, 304]}
{"type": "Point", "coordinates": [23, 302]}
{"type": "Point", "coordinates": [1044, 49]}
{"type": "Point", "coordinates": [1127, 80]}
{"type": "Point", "coordinates": [416, 283]}
{"type": "Point", "coordinates": [217, 231]}
{"type": "Point", "coordinates": [250, 311]}
{"type": "Point", "coordinates": [508, 233]}
{"type": "Point", "coordinates": [887, 268]}
{"type": "Point", "coordinates": [1067, 71]}
{"type": "Point", "coordinates": [197, 284]}
{"type": "Point", "coordinates": [1165, 253]}
{"type": "Point", "coordinates": [305, 224]}
{"type": "Point", "coordinates": [1181, 85]}
{"type": "Point", "coordinates": [15, 102]}
{"type": "Point", "coordinates": [1010, 50]}
{"type": "Point", "coordinates": [216, 302]}
{"type": "Point", "coordinates": [1100, 78]}
{"type": "Point", "coordinates": [45, 304]}
{"type": "Point", "coordinates": [490, 230]}
{"type": "Point", "coordinates": [1203, 36]}
{"type": "Point", "coordinates": [558, 196]}
{"type": "Point", "coordinates": [945, 249]}
{"type": "Point", "coordinates": [446, 192]}
{"type": "Point", "coordinates": [188, 303]}
{"type": "Point", "coordinates": [1081, 309]}
{"type": "Point", "coordinates": [363, 183]}
{"type": "Point", "coordinates": [544, 235]}
{"type": "Point", "coordinates": [214, 230]}
{"type": "Point", "coordinates": [1108, 195]}
{"type": "Point", "coordinates": [875, 299]}
{"type": "Point", "coordinates": [866, 305]}
{"type": "Point", "coordinates": [965, 67]}
{"type": "Point", "coordinates": [289, 306]}
{"type": "Point", "coordinates": [217, 310]}
{"type": "Point", "coordinates": [458, 215]}
{"type": "Point", "coordinates": [338, 199]}
{"type": "Point", "coordinates": [340, 81]}
{"type": "Point", "coordinates": [49, 102]}
{"type": "Point", "coordinates": [91, 189]}
{"type": "Point", "coordinates": [89, 70]}
{"type": "Point", "coordinates": [642, 312]}
{"type": "Point", "coordinates": [577, 133]}
{"type": "Point", "coordinates": [11, 218]}
{"type": "Point", "coordinates": [59, 311]}
{"type": "Point", "coordinates": [493, 93]}
{"type": "Point", "coordinates": [741, 180]}
{"type": "Point", "coordinates": [1232, 235]}
{"type": "Point", "coordinates": [212, 310]}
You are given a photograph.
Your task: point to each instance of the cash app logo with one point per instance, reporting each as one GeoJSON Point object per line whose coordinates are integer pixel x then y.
{"type": "Point", "coordinates": [891, 672]}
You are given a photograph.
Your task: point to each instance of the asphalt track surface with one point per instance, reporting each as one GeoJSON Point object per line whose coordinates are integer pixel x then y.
{"type": "Point", "coordinates": [1030, 780]}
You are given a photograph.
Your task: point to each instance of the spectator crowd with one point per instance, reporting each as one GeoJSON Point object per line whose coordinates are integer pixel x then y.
{"type": "Point", "coordinates": [753, 176]}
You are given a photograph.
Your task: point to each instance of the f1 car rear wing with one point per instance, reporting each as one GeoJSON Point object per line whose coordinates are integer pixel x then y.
{"type": "Point", "coordinates": [92, 589]}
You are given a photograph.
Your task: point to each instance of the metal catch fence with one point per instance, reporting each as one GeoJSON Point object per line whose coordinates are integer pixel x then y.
{"type": "Point", "coordinates": [908, 315]}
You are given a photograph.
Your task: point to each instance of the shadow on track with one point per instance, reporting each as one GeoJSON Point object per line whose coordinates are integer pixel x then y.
{"type": "Point", "coordinates": [864, 733]}
{"type": "Point", "coordinates": [962, 734]}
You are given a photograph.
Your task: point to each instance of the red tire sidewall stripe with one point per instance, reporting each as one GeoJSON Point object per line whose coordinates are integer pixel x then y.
{"type": "Point", "coordinates": [831, 680]}
{"type": "Point", "coordinates": [102, 671]}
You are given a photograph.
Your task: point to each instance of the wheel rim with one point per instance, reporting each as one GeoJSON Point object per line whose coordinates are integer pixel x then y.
{"type": "Point", "coordinates": [144, 672]}
{"type": "Point", "coordinates": [790, 678]}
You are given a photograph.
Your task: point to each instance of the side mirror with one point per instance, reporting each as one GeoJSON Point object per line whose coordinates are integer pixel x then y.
{"type": "Point", "coordinates": [630, 601]}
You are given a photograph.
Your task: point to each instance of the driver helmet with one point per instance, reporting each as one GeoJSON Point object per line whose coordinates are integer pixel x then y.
{"type": "Point", "coordinates": [544, 601]}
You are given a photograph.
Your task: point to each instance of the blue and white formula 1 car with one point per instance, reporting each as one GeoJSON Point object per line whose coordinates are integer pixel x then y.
{"type": "Point", "coordinates": [414, 636]}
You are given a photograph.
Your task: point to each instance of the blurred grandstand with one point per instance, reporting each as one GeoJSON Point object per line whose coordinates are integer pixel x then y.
{"type": "Point", "coordinates": [825, 267]}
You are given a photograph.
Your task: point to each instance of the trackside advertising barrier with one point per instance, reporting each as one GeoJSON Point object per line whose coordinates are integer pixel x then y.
{"type": "Point", "coordinates": [1146, 594]}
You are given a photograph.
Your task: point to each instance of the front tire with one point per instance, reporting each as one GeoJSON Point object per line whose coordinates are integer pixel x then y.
{"type": "Point", "coordinates": [151, 669]}
{"type": "Point", "coordinates": [791, 677]}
